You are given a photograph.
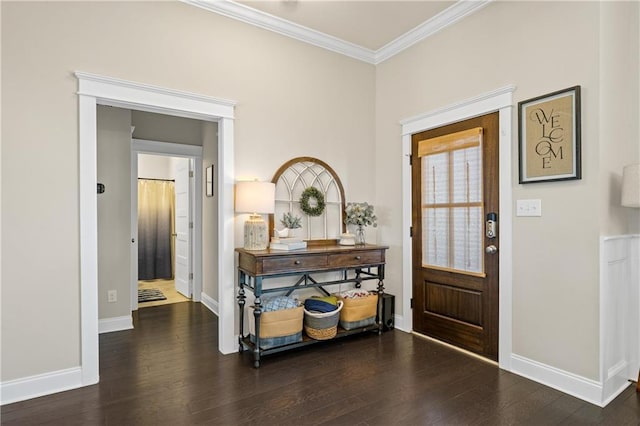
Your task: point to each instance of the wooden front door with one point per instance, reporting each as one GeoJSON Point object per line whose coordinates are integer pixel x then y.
{"type": "Point", "coordinates": [455, 257]}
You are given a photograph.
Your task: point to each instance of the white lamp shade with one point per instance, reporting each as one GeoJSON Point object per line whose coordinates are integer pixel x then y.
{"type": "Point", "coordinates": [255, 197]}
{"type": "Point", "coordinates": [631, 186]}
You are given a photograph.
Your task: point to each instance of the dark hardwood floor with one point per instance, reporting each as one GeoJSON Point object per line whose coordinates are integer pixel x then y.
{"type": "Point", "coordinates": [168, 371]}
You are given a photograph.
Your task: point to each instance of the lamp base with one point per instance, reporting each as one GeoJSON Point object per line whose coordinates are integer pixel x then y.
{"type": "Point", "coordinates": [255, 233]}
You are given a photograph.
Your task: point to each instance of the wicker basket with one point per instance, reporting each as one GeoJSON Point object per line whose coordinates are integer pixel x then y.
{"type": "Point", "coordinates": [322, 326]}
{"type": "Point", "coordinates": [359, 312]}
{"type": "Point", "coordinates": [278, 328]}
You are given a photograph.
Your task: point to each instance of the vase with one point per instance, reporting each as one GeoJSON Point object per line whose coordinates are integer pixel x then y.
{"type": "Point", "coordinates": [283, 233]}
{"type": "Point", "coordinates": [360, 236]}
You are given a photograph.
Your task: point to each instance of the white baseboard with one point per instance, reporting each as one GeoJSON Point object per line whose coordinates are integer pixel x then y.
{"type": "Point", "coordinates": [398, 323]}
{"type": "Point", "coordinates": [39, 385]}
{"type": "Point", "coordinates": [108, 325]}
{"type": "Point", "coordinates": [613, 388]}
{"type": "Point", "coordinates": [210, 304]}
{"type": "Point", "coordinates": [572, 384]}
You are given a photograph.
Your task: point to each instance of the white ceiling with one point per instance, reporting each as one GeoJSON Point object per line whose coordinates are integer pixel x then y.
{"type": "Point", "coordinates": [369, 24]}
{"type": "Point", "coordinates": [371, 31]}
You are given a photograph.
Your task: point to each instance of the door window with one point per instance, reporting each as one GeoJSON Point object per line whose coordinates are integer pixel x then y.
{"type": "Point", "coordinates": [451, 202]}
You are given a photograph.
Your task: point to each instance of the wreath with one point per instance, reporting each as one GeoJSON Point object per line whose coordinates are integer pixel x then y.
{"type": "Point", "coordinates": [312, 192]}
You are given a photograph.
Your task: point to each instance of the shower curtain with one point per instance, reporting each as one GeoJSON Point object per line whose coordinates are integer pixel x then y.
{"type": "Point", "coordinates": [156, 210]}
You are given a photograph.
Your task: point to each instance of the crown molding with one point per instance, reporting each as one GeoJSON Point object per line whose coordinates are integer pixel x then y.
{"type": "Point", "coordinates": [444, 19]}
{"type": "Point", "coordinates": [269, 22]}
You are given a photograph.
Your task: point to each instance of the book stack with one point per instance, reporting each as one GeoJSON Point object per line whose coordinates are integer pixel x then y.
{"type": "Point", "coordinates": [287, 244]}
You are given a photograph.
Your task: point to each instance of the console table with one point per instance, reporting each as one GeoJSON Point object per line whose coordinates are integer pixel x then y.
{"type": "Point", "coordinates": [355, 264]}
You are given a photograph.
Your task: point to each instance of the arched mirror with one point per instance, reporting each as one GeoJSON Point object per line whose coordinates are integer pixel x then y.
{"type": "Point", "coordinates": [318, 182]}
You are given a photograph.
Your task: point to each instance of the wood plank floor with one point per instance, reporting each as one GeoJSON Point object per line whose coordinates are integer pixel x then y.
{"type": "Point", "coordinates": [168, 371]}
{"type": "Point", "coordinates": [167, 287]}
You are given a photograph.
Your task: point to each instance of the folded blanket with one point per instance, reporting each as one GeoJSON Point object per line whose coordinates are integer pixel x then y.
{"type": "Point", "coordinates": [277, 303]}
{"type": "Point", "coordinates": [329, 299]}
{"type": "Point", "coordinates": [355, 293]}
{"type": "Point", "coordinates": [315, 305]}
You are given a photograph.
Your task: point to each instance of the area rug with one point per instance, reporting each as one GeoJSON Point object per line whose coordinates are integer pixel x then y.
{"type": "Point", "coordinates": [150, 295]}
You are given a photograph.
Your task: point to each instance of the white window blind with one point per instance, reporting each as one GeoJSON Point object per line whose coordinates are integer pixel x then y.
{"type": "Point", "coordinates": [452, 201]}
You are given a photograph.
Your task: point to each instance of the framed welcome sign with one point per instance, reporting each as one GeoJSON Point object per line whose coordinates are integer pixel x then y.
{"type": "Point", "coordinates": [549, 134]}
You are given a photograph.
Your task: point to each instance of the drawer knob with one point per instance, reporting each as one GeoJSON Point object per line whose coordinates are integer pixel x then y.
{"type": "Point", "coordinates": [357, 257]}
{"type": "Point", "coordinates": [297, 262]}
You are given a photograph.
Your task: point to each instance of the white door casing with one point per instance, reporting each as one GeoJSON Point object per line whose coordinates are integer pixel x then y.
{"type": "Point", "coordinates": [96, 90]}
{"type": "Point", "coordinates": [499, 100]}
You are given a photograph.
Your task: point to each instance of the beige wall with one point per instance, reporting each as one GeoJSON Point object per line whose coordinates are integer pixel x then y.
{"type": "Point", "coordinates": [114, 211]}
{"type": "Point", "coordinates": [620, 146]}
{"type": "Point", "coordinates": [292, 99]}
{"type": "Point", "coordinates": [556, 256]}
{"type": "Point", "coordinates": [619, 112]}
{"type": "Point", "coordinates": [210, 212]}
{"type": "Point", "coordinates": [166, 128]}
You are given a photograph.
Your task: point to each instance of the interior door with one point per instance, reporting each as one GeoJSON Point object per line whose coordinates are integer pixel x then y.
{"type": "Point", "coordinates": [182, 227]}
{"type": "Point", "coordinates": [455, 246]}
{"type": "Point", "coordinates": [134, 231]}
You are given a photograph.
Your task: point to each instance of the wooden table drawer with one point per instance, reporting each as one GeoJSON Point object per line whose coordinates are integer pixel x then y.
{"type": "Point", "coordinates": [356, 258]}
{"type": "Point", "coordinates": [293, 263]}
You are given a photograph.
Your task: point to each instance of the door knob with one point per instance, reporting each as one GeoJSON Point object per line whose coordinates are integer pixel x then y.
{"type": "Point", "coordinates": [491, 249]}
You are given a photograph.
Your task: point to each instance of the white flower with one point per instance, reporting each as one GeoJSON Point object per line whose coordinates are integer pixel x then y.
{"type": "Point", "coordinates": [360, 214]}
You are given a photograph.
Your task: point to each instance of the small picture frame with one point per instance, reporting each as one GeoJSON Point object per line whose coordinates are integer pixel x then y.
{"type": "Point", "coordinates": [549, 137]}
{"type": "Point", "coordinates": [209, 181]}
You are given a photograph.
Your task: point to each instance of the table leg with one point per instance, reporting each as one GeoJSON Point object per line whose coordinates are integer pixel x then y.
{"type": "Point", "coordinates": [358, 280]}
{"type": "Point", "coordinates": [380, 294]}
{"type": "Point", "coordinates": [241, 303]}
{"type": "Point", "coordinates": [257, 312]}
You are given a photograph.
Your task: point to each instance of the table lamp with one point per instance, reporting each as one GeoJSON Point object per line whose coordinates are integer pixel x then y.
{"type": "Point", "coordinates": [631, 185]}
{"type": "Point", "coordinates": [256, 198]}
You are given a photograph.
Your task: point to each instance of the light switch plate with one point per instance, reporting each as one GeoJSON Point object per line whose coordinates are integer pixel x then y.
{"type": "Point", "coordinates": [529, 207]}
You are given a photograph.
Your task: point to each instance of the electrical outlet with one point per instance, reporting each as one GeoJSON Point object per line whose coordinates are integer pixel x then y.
{"type": "Point", "coordinates": [112, 296]}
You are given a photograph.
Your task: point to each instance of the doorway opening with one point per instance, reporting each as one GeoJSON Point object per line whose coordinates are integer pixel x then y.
{"type": "Point", "coordinates": [500, 100]}
{"type": "Point", "coordinates": [162, 210]}
{"type": "Point", "coordinates": [94, 90]}
{"type": "Point", "coordinates": [455, 279]}
{"type": "Point", "coordinates": [166, 256]}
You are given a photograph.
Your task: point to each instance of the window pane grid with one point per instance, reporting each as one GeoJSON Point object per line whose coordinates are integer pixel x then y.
{"type": "Point", "coordinates": [452, 209]}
